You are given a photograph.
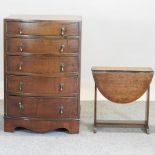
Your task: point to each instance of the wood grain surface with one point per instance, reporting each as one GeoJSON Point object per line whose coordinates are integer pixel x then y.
{"type": "Point", "coordinates": [122, 85]}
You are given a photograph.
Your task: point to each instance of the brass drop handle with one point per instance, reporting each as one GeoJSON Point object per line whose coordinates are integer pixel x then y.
{"type": "Point", "coordinates": [62, 65]}
{"type": "Point", "coordinates": [62, 48]}
{"type": "Point", "coordinates": [20, 66]}
{"type": "Point", "coordinates": [61, 87]}
{"type": "Point", "coordinates": [20, 31]}
{"type": "Point", "coordinates": [21, 47]}
{"type": "Point", "coordinates": [20, 86]}
{"type": "Point", "coordinates": [20, 105]}
{"type": "Point", "coordinates": [61, 110]}
{"type": "Point", "coordinates": [62, 31]}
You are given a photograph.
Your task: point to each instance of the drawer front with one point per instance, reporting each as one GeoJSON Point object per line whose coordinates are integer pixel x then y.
{"type": "Point", "coordinates": [39, 45]}
{"type": "Point", "coordinates": [54, 108]}
{"type": "Point", "coordinates": [42, 65]}
{"type": "Point", "coordinates": [42, 85]}
{"type": "Point", "coordinates": [43, 28]}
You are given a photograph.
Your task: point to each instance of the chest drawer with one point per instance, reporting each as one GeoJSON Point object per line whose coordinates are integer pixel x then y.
{"type": "Point", "coordinates": [42, 85]}
{"type": "Point", "coordinates": [51, 108]}
{"type": "Point", "coordinates": [40, 45]}
{"type": "Point", "coordinates": [43, 28]}
{"type": "Point", "coordinates": [42, 65]}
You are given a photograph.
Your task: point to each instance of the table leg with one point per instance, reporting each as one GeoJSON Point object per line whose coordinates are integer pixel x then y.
{"type": "Point", "coordinates": [95, 109]}
{"type": "Point", "coordinates": [147, 111]}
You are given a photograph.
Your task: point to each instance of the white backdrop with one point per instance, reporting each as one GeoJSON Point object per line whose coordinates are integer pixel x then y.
{"type": "Point", "coordinates": [115, 33]}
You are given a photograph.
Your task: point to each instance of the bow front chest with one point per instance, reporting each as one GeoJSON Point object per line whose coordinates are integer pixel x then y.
{"type": "Point", "coordinates": [42, 72]}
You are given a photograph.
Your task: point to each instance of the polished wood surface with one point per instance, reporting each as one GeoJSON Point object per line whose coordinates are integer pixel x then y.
{"type": "Point", "coordinates": [40, 85]}
{"type": "Point", "coordinates": [41, 126]}
{"type": "Point", "coordinates": [121, 69]}
{"type": "Point", "coordinates": [42, 46]}
{"type": "Point", "coordinates": [42, 65]}
{"type": "Point", "coordinates": [42, 73]}
{"type": "Point", "coordinates": [41, 18]}
{"type": "Point", "coordinates": [123, 85]}
{"type": "Point", "coordinates": [54, 108]}
{"type": "Point", "coordinates": [42, 28]}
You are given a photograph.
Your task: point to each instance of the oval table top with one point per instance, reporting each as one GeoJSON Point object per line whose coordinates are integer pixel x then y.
{"type": "Point", "coordinates": [122, 84]}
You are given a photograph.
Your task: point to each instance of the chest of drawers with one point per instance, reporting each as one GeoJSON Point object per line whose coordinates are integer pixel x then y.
{"type": "Point", "coordinates": [42, 56]}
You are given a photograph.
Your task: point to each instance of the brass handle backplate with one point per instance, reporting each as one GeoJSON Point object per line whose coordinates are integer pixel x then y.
{"type": "Point", "coordinates": [61, 110]}
{"type": "Point", "coordinates": [20, 30]}
{"type": "Point", "coordinates": [61, 86]}
{"type": "Point", "coordinates": [62, 65]}
{"type": "Point", "coordinates": [20, 105]}
{"type": "Point", "coordinates": [21, 47]}
{"type": "Point", "coordinates": [20, 86]}
{"type": "Point", "coordinates": [62, 31]}
{"type": "Point", "coordinates": [19, 66]}
{"type": "Point", "coordinates": [62, 48]}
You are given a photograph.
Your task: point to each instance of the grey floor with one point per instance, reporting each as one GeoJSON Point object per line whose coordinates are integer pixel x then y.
{"type": "Point", "coordinates": [108, 141]}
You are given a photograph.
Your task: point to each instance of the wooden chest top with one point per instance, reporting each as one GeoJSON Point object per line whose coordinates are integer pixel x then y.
{"type": "Point", "coordinates": [44, 17]}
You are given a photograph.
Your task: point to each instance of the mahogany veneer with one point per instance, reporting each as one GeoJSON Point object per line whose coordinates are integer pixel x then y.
{"type": "Point", "coordinates": [42, 73]}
